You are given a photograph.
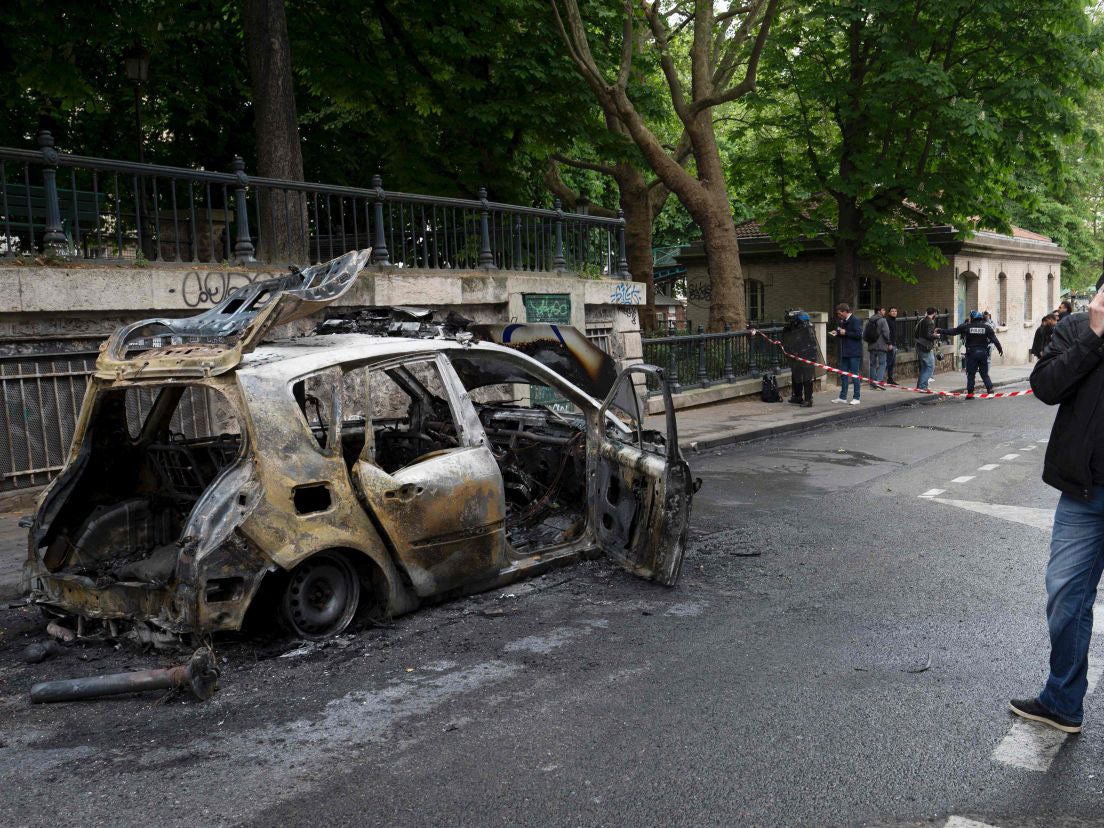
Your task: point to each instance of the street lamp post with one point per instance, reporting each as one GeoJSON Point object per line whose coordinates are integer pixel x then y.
{"type": "Point", "coordinates": [137, 71]}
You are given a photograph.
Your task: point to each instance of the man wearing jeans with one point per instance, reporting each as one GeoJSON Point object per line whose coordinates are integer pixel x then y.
{"type": "Point", "coordinates": [1071, 374]}
{"type": "Point", "coordinates": [925, 347]}
{"type": "Point", "coordinates": [848, 330]}
{"type": "Point", "coordinates": [879, 349]}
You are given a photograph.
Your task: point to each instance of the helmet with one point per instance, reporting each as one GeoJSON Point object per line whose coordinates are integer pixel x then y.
{"type": "Point", "coordinates": [976, 315]}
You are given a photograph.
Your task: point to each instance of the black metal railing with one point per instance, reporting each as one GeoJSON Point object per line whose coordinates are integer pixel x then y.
{"type": "Point", "coordinates": [699, 360]}
{"type": "Point", "coordinates": [904, 333]}
{"type": "Point", "coordinates": [94, 208]}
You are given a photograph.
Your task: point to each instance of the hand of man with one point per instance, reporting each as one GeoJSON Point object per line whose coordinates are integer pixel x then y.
{"type": "Point", "coordinates": [1096, 313]}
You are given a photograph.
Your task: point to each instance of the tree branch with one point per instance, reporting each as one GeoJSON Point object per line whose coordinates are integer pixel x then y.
{"type": "Point", "coordinates": [748, 83]}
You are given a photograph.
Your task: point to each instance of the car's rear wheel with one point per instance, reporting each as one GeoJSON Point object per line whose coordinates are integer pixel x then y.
{"type": "Point", "coordinates": [321, 596]}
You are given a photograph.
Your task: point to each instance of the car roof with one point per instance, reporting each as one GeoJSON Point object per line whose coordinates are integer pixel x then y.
{"type": "Point", "coordinates": [302, 355]}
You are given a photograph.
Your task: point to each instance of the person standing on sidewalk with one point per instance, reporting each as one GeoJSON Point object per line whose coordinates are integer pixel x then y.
{"type": "Point", "coordinates": [799, 339]}
{"type": "Point", "coordinates": [876, 335]}
{"type": "Point", "coordinates": [1069, 375]}
{"type": "Point", "coordinates": [891, 354]}
{"type": "Point", "coordinates": [925, 347]}
{"type": "Point", "coordinates": [849, 331]}
{"type": "Point", "coordinates": [978, 337]}
{"type": "Point", "coordinates": [1043, 334]}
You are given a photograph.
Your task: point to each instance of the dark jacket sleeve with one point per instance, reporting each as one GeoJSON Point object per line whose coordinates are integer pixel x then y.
{"type": "Point", "coordinates": [1038, 343]}
{"type": "Point", "coordinates": [1074, 352]}
{"type": "Point", "coordinates": [953, 332]}
{"type": "Point", "coordinates": [992, 336]}
{"type": "Point", "coordinates": [854, 328]}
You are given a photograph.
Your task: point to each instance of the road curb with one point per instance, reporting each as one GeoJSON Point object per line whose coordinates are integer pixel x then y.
{"type": "Point", "coordinates": [732, 437]}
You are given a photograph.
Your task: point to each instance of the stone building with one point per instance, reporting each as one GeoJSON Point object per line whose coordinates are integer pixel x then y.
{"type": "Point", "coordinates": [1016, 277]}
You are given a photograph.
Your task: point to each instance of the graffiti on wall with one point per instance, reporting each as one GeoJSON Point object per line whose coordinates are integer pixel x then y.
{"type": "Point", "coordinates": [626, 296]}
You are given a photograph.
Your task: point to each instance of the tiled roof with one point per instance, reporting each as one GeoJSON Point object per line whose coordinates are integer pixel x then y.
{"type": "Point", "coordinates": [1020, 233]}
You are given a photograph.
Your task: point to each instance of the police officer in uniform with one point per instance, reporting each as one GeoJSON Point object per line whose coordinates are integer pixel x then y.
{"type": "Point", "coordinates": [978, 337]}
{"type": "Point", "coordinates": [799, 339]}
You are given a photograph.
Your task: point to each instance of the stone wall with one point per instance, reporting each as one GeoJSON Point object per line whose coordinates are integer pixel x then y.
{"type": "Point", "coordinates": [72, 308]}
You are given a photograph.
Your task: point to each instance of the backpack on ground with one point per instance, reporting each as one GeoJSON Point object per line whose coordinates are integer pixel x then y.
{"type": "Point", "coordinates": [770, 393]}
{"type": "Point", "coordinates": [870, 330]}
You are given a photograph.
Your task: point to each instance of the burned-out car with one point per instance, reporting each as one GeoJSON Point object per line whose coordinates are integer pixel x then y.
{"type": "Point", "coordinates": [213, 477]}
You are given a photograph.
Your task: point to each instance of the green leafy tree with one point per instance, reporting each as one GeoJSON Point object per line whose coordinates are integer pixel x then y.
{"type": "Point", "coordinates": [880, 116]}
{"type": "Point", "coordinates": [709, 55]}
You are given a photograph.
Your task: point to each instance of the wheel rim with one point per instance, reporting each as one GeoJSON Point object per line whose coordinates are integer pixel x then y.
{"type": "Point", "coordinates": [321, 596]}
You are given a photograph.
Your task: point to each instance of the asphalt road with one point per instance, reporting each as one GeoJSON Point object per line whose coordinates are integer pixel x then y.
{"type": "Point", "coordinates": [839, 651]}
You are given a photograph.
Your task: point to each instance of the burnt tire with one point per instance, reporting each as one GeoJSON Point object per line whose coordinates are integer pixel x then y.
{"type": "Point", "coordinates": [320, 597]}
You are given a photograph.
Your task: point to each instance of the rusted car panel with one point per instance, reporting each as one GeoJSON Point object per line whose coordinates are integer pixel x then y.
{"type": "Point", "coordinates": [327, 475]}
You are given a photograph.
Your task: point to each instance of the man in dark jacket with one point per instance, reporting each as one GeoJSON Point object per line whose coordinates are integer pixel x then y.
{"type": "Point", "coordinates": [1043, 334]}
{"type": "Point", "coordinates": [849, 329]}
{"type": "Point", "coordinates": [1071, 374]}
{"type": "Point", "coordinates": [799, 339]}
{"type": "Point", "coordinates": [978, 338]}
{"type": "Point", "coordinates": [925, 347]}
{"type": "Point", "coordinates": [891, 356]}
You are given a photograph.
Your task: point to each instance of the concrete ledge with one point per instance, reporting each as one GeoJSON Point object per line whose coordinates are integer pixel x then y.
{"type": "Point", "coordinates": [694, 397]}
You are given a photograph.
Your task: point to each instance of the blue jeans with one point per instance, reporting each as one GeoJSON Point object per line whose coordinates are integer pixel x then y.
{"type": "Point", "coordinates": [891, 362]}
{"type": "Point", "coordinates": [977, 360]}
{"type": "Point", "coordinates": [851, 364]}
{"type": "Point", "coordinates": [1073, 573]}
{"type": "Point", "coordinates": [927, 367]}
{"type": "Point", "coordinates": [878, 366]}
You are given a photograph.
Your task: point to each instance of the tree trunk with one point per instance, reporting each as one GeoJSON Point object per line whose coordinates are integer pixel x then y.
{"type": "Point", "coordinates": [283, 215]}
{"type": "Point", "coordinates": [714, 216]}
{"type": "Point", "coordinates": [847, 254]}
{"type": "Point", "coordinates": [637, 204]}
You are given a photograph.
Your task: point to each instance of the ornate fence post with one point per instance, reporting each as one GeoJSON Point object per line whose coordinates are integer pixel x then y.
{"type": "Point", "coordinates": [53, 240]}
{"type": "Point", "coordinates": [380, 255]}
{"type": "Point", "coordinates": [559, 263]}
{"type": "Point", "coordinates": [622, 253]}
{"type": "Point", "coordinates": [729, 370]}
{"type": "Point", "coordinates": [486, 255]}
{"type": "Point", "coordinates": [703, 371]}
{"type": "Point", "coordinates": [672, 368]}
{"type": "Point", "coordinates": [243, 247]}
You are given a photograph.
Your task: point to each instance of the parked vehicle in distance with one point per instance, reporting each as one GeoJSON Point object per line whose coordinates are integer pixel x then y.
{"type": "Point", "coordinates": [382, 462]}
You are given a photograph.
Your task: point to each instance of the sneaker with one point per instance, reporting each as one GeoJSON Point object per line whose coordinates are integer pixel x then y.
{"type": "Point", "coordinates": [840, 400]}
{"type": "Point", "coordinates": [855, 401]}
{"type": "Point", "coordinates": [1031, 709]}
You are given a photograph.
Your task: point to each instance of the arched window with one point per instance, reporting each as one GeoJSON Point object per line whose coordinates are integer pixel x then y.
{"type": "Point", "coordinates": [870, 292]}
{"type": "Point", "coordinates": [754, 299]}
{"type": "Point", "coordinates": [1029, 314]}
{"type": "Point", "coordinates": [1002, 299]}
{"type": "Point", "coordinates": [1050, 293]}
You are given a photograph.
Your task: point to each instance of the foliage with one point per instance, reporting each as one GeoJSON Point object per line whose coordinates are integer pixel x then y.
{"type": "Point", "coordinates": [878, 116]}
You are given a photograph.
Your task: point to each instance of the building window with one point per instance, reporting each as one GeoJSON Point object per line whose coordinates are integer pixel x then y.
{"type": "Point", "coordinates": [1050, 293]}
{"type": "Point", "coordinates": [1002, 299]}
{"type": "Point", "coordinates": [1029, 314]}
{"type": "Point", "coordinates": [753, 299]}
{"type": "Point", "coordinates": [870, 292]}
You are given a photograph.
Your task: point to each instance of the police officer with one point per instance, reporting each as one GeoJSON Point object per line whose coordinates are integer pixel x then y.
{"type": "Point", "coordinates": [978, 336]}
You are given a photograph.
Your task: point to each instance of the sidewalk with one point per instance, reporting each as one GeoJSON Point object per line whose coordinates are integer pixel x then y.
{"type": "Point", "coordinates": [751, 419]}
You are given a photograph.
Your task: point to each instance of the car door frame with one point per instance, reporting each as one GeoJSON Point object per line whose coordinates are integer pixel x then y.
{"type": "Point", "coordinates": [640, 505]}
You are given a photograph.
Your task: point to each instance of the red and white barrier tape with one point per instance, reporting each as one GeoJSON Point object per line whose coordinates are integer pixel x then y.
{"type": "Point", "coordinates": [930, 391]}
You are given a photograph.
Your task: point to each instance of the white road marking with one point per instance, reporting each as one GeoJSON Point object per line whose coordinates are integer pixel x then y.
{"type": "Point", "coordinates": [966, 478]}
{"type": "Point", "coordinates": [933, 492]}
{"type": "Point", "coordinates": [1029, 745]}
{"type": "Point", "coordinates": [1028, 448]}
{"type": "Point", "coordinates": [1044, 440]}
{"type": "Point", "coordinates": [1033, 745]}
{"type": "Point", "coordinates": [962, 822]}
{"type": "Point", "coordinates": [1010, 457]}
{"type": "Point", "coordinates": [989, 467]}
{"type": "Point", "coordinates": [1039, 518]}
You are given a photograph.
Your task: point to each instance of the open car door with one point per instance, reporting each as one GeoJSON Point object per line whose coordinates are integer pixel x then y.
{"type": "Point", "coordinates": [640, 503]}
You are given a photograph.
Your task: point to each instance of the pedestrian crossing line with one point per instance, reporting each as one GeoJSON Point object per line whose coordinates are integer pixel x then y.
{"type": "Point", "coordinates": [989, 467]}
{"type": "Point", "coordinates": [966, 478]}
{"type": "Point", "coordinates": [1010, 457]}
{"type": "Point", "coordinates": [1028, 448]}
{"type": "Point", "coordinates": [962, 822]}
{"type": "Point", "coordinates": [933, 493]}
{"type": "Point", "coordinates": [1032, 745]}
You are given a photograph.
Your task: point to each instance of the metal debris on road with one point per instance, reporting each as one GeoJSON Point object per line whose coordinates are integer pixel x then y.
{"type": "Point", "coordinates": [38, 652]}
{"type": "Point", "coordinates": [199, 676]}
{"type": "Point", "coordinates": [61, 633]}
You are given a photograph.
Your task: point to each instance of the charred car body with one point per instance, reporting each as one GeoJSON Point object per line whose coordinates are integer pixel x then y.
{"type": "Point", "coordinates": [337, 473]}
